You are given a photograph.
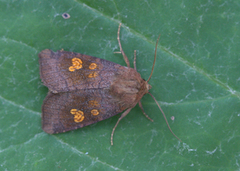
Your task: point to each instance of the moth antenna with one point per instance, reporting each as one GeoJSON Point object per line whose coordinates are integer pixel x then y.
{"type": "Point", "coordinates": [155, 56]}
{"type": "Point", "coordinates": [164, 116]}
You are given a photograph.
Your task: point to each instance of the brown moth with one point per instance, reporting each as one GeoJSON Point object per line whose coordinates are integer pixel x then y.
{"type": "Point", "coordinates": [84, 90]}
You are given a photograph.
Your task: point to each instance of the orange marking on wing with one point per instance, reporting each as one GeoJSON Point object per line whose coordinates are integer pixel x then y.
{"type": "Point", "coordinates": [76, 64]}
{"type": "Point", "coordinates": [78, 115]}
{"type": "Point", "coordinates": [94, 112]}
{"type": "Point", "coordinates": [93, 66]}
{"type": "Point", "coordinates": [93, 75]}
{"type": "Point", "coordinates": [93, 103]}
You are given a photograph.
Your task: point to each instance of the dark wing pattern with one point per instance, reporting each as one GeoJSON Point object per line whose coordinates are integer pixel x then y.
{"type": "Point", "coordinates": [63, 71]}
{"type": "Point", "coordinates": [63, 112]}
{"type": "Point", "coordinates": [83, 90]}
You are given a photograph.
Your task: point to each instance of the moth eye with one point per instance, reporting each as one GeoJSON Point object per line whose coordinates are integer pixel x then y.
{"type": "Point", "coordinates": [94, 112]}
{"type": "Point", "coordinates": [93, 75]}
{"type": "Point", "coordinates": [78, 115]}
{"type": "Point", "coordinates": [93, 66]}
{"type": "Point", "coordinates": [93, 103]}
{"type": "Point", "coordinates": [76, 64]}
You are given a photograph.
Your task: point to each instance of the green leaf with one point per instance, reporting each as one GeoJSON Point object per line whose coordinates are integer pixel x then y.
{"type": "Point", "coordinates": [196, 80]}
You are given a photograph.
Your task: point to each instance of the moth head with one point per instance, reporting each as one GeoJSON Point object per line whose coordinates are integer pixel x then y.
{"type": "Point", "coordinates": [148, 86]}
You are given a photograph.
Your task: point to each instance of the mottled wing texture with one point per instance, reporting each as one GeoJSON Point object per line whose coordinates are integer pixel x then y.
{"type": "Point", "coordinates": [95, 105]}
{"type": "Point", "coordinates": [56, 75]}
{"type": "Point", "coordinates": [84, 90]}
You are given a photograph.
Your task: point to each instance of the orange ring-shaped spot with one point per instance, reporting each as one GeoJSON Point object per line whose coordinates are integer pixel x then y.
{"type": "Point", "coordinates": [94, 112]}
{"type": "Point", "coordinates": [93, 66]}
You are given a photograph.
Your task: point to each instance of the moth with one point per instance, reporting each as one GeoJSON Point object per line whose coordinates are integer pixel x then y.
{"type": "Point", "coordinates": [84, 90]}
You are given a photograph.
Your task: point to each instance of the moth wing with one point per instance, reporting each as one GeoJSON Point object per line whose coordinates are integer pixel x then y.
{"type": "Point", "coordinates": [63, 71]}
{"type": "Point", "coordinates": [67, 111]}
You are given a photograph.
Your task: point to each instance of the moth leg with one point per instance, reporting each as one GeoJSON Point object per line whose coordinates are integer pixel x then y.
{"type": "Point", "coordinates": [122, 116]}
{"type": "Point", "coordinates": [120, 46]}
{"type": "Point", "coordinates": [134, 61]}
{"type": "Point", "coordinates": [140, 105]}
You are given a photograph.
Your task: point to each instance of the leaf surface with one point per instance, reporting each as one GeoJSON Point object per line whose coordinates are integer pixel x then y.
{"type": "Point", "coordinates": [196, 80]}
